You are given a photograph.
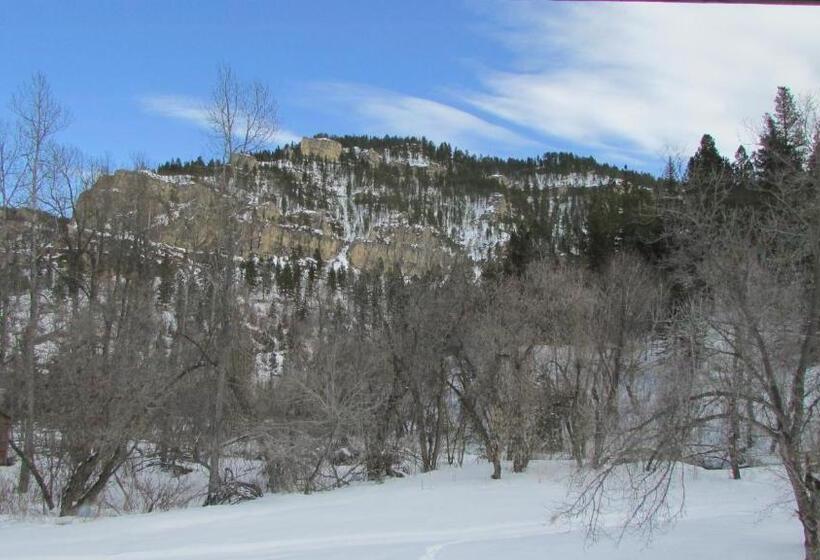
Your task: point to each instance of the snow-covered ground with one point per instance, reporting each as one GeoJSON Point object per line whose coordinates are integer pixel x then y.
{"type": "Point", "coordinates": [449, 514]}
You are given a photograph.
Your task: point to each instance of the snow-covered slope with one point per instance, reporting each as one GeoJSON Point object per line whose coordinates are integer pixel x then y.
{"type": "Point", "coordinates": [450, 514]}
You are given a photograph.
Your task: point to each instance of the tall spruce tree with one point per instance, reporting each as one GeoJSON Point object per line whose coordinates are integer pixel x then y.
{"type": "Point", "coordinates": [707, 165]}
{"type": "Point", "coordinates": [783, 143]}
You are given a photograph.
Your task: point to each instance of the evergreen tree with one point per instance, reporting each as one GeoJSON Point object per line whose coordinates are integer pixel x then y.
{"type": "Point", "coordinates": [167, 280]}
{"type": "Point", "coordinates": [284, 279]}
{"type": "Point", "coordinates": [783, 143]}
{"type": "Point", "coordinates": [742, 168]}
{"type": "Point", "coordinates": [707, 166]}
{"type": "Point", "coordinates": [602, 227]}
{"type": "Point", "coordinates": [520, 251]}
{"type": "Point", "coordinates": [814, 159]}
{"type": "Point", "coordinates": [266, 277]}
{"type": "Point", "coordinates": [317, 258]}
{"type": "Point", "coordinates": [669, 177]}
{"type": "Point", "coordinates": [250, 271]}
{"type": "Point", "coordinates": [331, 279]}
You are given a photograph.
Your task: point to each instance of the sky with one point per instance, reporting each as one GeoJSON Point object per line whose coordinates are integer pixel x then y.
{"type": "Point", "coordinates": [629, 83]}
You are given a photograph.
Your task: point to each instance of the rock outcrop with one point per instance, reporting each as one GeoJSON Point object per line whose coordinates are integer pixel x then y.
{"type": "Point", "coordinates": [371, 156]}
{"type": "Point", "coordinates": [413, 250]}
{"type": "Point", "coordinates": [323, 148]}
{"type": "Point", "coordinates": [179, 212]}
{"type": "Point", "coordinates": [244, 161]}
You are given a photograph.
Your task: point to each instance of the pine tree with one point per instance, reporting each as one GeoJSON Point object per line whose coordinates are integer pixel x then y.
{"type": "Point", "coordinates": [251, 271]}
{"type": "Point", "coordinates": [742, 168]}
{"type": "Point", "coordinates": [669, 178]}
{"type": "Point", "coordinates": [813, 163]}
{"type": "Point", "coordinates": [783, 143]}
{"type": "Point", "coordinates": [317, 257]}
{"type": "Point", "coordinates": [602, 227]}
{"type": "Point", "coordinates": [284, 279]}
{"type": "Point", "coordinates": [519, 252]}
{"type": "Point", "coordinates": [167, 281]}
{"type": "Point", "coordinates": [707, 165]}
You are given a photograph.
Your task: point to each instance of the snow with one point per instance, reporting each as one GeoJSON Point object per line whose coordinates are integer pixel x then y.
{"type": "Point", "coordinates": [574, 180]}
{"type": "Point", "coordinates": [171, 179]}
{"type": "Point", "coordinates": [267, 366]}
{"type": "Point", "coordinates": [479, 231]}
{"type": "Point", "coordinates": [446, 515]}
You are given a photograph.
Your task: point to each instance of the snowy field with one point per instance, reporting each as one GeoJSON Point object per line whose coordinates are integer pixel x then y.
{"type": "Point", "coordinates": [449, 514]}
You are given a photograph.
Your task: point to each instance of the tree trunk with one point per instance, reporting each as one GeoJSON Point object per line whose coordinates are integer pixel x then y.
{"type": "Point", "coordinates": [80, 490]}
{"type": "Point", "coordinates": [379, 462]}
{"type": "Point", "coordinates": [44, 489]}
{"type": "Point", "coordinates": [806, 490]}
{"type": "Point", "coordinates": [224, 338]}
{"type": "Point", "coordinates": [598, 433]}
{"type": "Point", "coordinates": [576, 442]}
{"type": "Point", "coordinates": [750, 415]}
{"type": "Point", "coordinates": [734, 438]}
{"type": "Point", "coordinates": [4, 321]}
{"type": "Point", "coordinates": [215, 451]}
{"type": "Point", "coordinates": [811, 546]}
{"type": "Point", "coordinates": [494, 456]}
{"type": "Point", "coordinates": [520, 453]}
{"type": "Point", "coordinates": [30, 361]}
{"type": "Point", "coordinates": [809, 515]}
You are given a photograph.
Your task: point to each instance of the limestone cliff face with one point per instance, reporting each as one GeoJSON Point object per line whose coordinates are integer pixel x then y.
{"type": "Point", "coordinates": [322, 148]}
{"type": "Point", "coordinates": [183, 212]}
{"type": "Point", "coordinates": [173, 210]}
{"type": "Point", "coordinates": [413, 250]}
{"type": "Point", "coordinates": [244, 161]}
{"type": "Point", "coordinates": [275, 239]}
{"type": "Point", "coordinates": [393, 205]}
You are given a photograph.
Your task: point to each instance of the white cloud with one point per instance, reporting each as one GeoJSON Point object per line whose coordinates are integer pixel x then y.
{"type": "Point", "coordinates": [640, 78]}
{"type": "Point", "coordinates": [628, 81]}
{"type": "Point", "coordinates": [388, 112]}
{"type": "Point", "coordinates": [284, 136]}
{"type": "Point", "coordinates": [195, 112]}
{"type": "Point", "coordinates": [176, 107]}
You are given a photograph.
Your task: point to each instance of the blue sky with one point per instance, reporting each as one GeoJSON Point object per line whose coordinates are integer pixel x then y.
{"type": "Point", "coordinates": [629, 84]}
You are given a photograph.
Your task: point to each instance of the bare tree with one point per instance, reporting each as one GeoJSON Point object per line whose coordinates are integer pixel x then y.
{"type": "Point", "coordinates": [242, 118]}
{"type": "Point", "coordinates": [139, 161]}
{"type": "Point", "coordinates": [71, 175]}
{"type": "Point", "coordinates": [742, 346]}
{"type": "Point", "coordinates": [39, 118]}
{"type": "Point", "coordinates": [621, 328]}
{"type": "Point", "coordinates": [492, 368]}
{"type": "Point", "coordinates": [416, 335]}
{"type": "Point", "coordinates": [9, 186]}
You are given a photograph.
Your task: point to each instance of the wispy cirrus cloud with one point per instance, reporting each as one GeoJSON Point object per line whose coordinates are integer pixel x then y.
{"type": "Point", "coordinates": [380, 111]}
{"type": "Point", "coordinates": [176, 107]}
{"type": "Point", "coordinates": [194, 111]}
{"type": "Point", "coordinates": [638, 78]}
{"type": "Point", "coordinates": [628, 82]}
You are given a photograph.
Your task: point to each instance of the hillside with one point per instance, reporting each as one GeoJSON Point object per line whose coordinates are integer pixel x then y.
{"type": "Point", "coordinates": [368, 202]}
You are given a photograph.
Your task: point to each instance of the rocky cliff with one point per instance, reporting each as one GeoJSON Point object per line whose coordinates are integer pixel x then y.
{"type": "Point", "coordinates": [322, 148]}
{"type": "Point", "coordinates": [395, 205]}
